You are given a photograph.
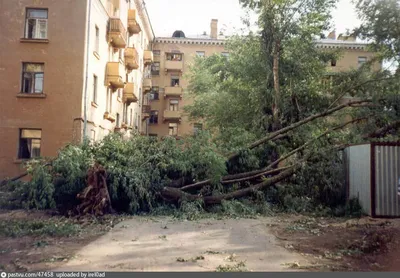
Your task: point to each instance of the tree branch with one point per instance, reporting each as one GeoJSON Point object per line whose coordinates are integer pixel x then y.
{"type": "Point", "coordinates": [300, 123]}
{"type": "Point", "coordinates": [383, 131]}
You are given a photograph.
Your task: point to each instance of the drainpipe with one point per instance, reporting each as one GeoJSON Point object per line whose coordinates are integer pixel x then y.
{"type": "Point", "coordinates": [87, 73]}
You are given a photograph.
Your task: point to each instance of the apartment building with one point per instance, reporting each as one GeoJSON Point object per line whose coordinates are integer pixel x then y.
{"type": "Point", "coordinates": [69, 69]}
{"type": "Point", "coordinates": [353, 55]}
{"type": "Point", "coordinates": [162, 109]}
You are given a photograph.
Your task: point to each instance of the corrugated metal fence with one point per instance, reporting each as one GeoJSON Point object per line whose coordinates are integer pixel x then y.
{"type": "Point", "coordinates": [387, 178]}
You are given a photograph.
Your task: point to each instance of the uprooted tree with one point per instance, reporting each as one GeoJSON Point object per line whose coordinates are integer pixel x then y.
{"type": "Point", "coordinates": [271, 112]}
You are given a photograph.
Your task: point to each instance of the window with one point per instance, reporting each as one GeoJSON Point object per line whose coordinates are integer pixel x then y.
{"type": "Point", "coordinates": [109, 101]}
{"type": "Point", "coordinates": [197, 127]}
{"type": "Point", "coordinates": [136, 120]}
{"type": "Point", "coordinates": [173, 105]}
{"type": "Point", "coordinates": [174, 57]}
{"type": "Point", "coordinates": [140, 96]}
{"type": "Point", "coordinates": [117, 123]}
{"type": "Point", "coordinates": [174, 81]}
{"type": "Point", "coordinates": [94, 99]}
{"type": "Point", "coordinates": [29, 143]}
{"type": "Point", "coordinates": [155, 68]}
{"type": "Point", "coordinates": [97, 42]}
{"type": "Point", "coordinates": [154, 94]}
{"type": "Point", "coordinates": [156, 52]}
{"type": "Point", "coordinates": [173, 129]}
{"type": "Point", "coordinates": [333, 63]}
{"type": "Point", "coordinates": [131, 117]}
{"type": "Point", "coordinates": [153, 117]}
{"type": "Point", "coordinates": [32, 78]}
{"type": "Point", "coordinates": [120, 55]}
{"type": "Point", "coordinates": [361, 61]}
{"type": "Point", "coordinates": [201, 54]}
{"type": "Point", "coordinates": [119, 93]}
{"type": "Point", "coordinates": [36, 24]}
{"type": "Point", "coordinates": [225, 54]}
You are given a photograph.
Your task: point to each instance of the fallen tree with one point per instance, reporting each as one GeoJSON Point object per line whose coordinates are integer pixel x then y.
{"type": "Point", "coordinates": [278, 175]}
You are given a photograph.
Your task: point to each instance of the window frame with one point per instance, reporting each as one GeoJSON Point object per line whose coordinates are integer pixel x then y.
{"type": "Point", "coordinates": [175, 84]}
{"type": "Point", "coordinates": [155, 91]}
{"type": "Point", "coordinates": [37, 19]}
{"type": "Point", "coordinates": [155, 65]}
{"type": "Point", "coordinates": [97, 40]}
{"type": "Point", "coordinates": [153, 120]}
{"type": "Point", "coordinates": [95, 88]}
{"type": "Point", "coordinates": [172, 106]}
{"type": "Point", "coordinates": [203, 55]}
{"type": "Point", "coordinates": [173, 127]}
{"type": "Point", "coordinates": [33, 82]}
{"type": "Point", "coordinates": [361, 57]}
{"type": "Point", "coordinates": [19, 154]}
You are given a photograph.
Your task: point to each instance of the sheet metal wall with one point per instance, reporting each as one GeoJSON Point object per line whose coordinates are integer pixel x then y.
{"type": "Point", "coordinates": [358, 160]}
{"type": "Point", "coordinates": [387, 175]}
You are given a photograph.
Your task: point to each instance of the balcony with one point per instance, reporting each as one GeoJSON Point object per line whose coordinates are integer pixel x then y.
{"type": "Point", "coordinates": [109, 116]}
{"type": "Point", "coordinates": [173, 91]}
{"type": "Point", "coordinates": [172, 115]}
{"type": "Point", "coordinates": [147, 84]}
{"type": "Point", "coordinates": [129, 93]}
{"type": "Point", "coordinates": [116, 33]}
{"type": "Point", "coordinates": [114, 74]}
{"type": "Point", "coordinates": [174, 65]}
{"type": "Point", "coordinates": [131, 58]}
{"type": "Point", "coordinates": [146, 109]}
{"type": "Point", "coordinates": [133, 25]}
{"type": "Point", "coordinates": [148, 57]}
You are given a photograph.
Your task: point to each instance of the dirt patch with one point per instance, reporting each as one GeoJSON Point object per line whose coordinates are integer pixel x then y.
{"type": "Point", "coordinates": [32, 241]}
{"type": "Point", "coordinates": [167, 244]}
{"type": "Point", "coordinates": [338, 244]}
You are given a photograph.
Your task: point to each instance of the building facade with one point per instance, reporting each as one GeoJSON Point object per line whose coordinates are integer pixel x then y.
{"type": "Point", "coordinates": [173, 56]}
{"type": "Point", "coordinates": [66, 77]}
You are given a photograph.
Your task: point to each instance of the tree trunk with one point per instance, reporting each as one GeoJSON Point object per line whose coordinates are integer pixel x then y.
{"type": "Point", "coordinates": [277, 97]}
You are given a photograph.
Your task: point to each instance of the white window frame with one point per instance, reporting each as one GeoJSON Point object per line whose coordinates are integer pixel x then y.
{"type": "Point", "coordinates": [37, 34]}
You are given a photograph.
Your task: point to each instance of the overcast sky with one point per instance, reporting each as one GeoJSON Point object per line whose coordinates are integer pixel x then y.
{"type": "Point", "coordinates": [193, 16]}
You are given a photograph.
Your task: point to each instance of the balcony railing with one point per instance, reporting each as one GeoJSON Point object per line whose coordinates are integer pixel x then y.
{"type": "Point", "coordinates": [147, 84]}
{"type": "Point", "coordinates": [174, 65]}
{"type": "Point", "coordinates": [129, 93]}
{"type": "Point", "coordinates": [114, 74]}
{"type": "Point", "coordinates": [133, 25]}
{"type": "Point", "coordinates": [131, 58]}
{"type": "Point", "coordinates": [148, 57]}
{"type": "Point", "coordinates": [116, 33]}
{"type": "Point", "coordinates": [172, 115]}
{"type": "Point", "coordinates": [173, 91]}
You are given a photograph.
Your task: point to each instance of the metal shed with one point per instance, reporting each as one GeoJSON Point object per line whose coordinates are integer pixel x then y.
{"type": "Point", "coordinates": [373, 176]}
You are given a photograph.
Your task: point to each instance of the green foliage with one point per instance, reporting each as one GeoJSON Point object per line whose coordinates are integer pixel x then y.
{"type": "Point", "coordinates": [40, 188]}
{"type": "Point", "coordinates": [14, 194]}
{"type": "Point", "coordinates": [20, 228]}
{"type": "Point", "coordinates": [136, 170]}
{"type": "Point", "coordinates": [353, 208]}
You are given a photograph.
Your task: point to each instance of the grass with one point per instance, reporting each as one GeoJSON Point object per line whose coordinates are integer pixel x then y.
{"type": "Point", "coordinates": [195, 259]}
{"type": "Point", "coordinates": [56, 228]}
{"type": "Point", "coordinates": [239, 267]}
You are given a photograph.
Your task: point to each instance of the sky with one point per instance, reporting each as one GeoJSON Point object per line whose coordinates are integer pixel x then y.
{"type": "Point", "coordinates": [193, 17]}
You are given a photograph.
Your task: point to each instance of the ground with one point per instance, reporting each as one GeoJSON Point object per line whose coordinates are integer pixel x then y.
{"type": "Point", "coordinates": [281, 242]}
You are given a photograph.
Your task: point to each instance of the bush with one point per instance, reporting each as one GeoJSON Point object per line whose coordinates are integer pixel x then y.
{"type": "Point", "coordinates": [14, 195]}
{"type": "Point", "coordinates": [136, 170]}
